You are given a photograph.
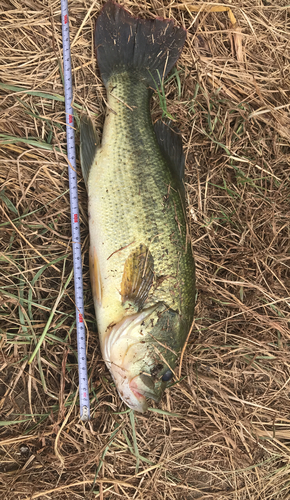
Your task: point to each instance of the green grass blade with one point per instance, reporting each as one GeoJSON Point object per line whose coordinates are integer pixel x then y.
{"type": "Point", "coordinates": [112, 437]}
{"type": "Point", "coordinates": [7, 202]}
{"type": "Point", "coordinates": [37, 210]}
{"type": "Point", "coordinates": [10, 139]}
{"type": "Point", "coordinates": [136, 449]}
{"type": "Point", "coordinates": [44, 95]}
{"type": "Point", "coordinates": [5, 423]}
{"type": "Point", "coordinates": [164, 412]}
{"type": "Point", "coordinates": [41, 339]}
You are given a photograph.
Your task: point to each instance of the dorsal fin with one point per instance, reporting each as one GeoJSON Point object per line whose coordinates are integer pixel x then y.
{"type": "Point", "coordinates": [170, 143]}
{"type": "Point", "coordinates": [89, 144]}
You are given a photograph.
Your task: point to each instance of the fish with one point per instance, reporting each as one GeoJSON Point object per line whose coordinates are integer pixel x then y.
{"type": "Point", "coordinates": [141, 262]}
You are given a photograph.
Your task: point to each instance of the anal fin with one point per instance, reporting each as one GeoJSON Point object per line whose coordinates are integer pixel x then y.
{"type": "Point", "coordinates": [89, 144]}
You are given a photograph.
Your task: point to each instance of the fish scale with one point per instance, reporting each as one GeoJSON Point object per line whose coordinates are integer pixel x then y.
{"type": "Point", "coordinates": [134, 168]}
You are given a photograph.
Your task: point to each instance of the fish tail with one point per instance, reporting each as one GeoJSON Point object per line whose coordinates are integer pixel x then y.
{"type": "Point", "coordinates": [148, 48]}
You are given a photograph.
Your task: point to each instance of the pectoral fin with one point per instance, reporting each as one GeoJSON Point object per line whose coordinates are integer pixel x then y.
{"type": "Point", "coordinates": [137, 276]}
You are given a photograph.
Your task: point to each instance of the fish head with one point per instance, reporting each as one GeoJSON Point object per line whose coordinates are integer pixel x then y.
{"type": "Point", "coordinates": [140, 351]}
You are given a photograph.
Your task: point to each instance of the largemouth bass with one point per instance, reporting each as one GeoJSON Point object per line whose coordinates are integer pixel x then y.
{"type": "Point", "coordinates": [141, 263]}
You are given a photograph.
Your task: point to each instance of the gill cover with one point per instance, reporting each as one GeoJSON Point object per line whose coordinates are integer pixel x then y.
{"type": "Point", "coordinates": [137, 352]}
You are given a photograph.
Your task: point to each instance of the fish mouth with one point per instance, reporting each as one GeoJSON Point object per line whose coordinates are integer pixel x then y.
{"type": "Point", "coordinates": [135, 400]}
{"type": "Point", "coordinates": [128, 390]}
{"type": "Point", "coordinates": [142, 402]}
{"type": "Point", "coordinates": [141, 392]}
{"type": "Point", "coordinates": [133, 392]}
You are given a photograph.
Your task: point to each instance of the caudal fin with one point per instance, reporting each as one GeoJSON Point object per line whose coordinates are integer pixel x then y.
{"type": "Point", "coordinates": [149, 48]}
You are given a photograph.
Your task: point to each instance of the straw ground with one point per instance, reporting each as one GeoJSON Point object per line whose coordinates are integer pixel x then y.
{"type": "Point", "coordinates": [223, 431]}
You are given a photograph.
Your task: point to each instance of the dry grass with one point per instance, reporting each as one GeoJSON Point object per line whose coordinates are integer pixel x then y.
{"type": "Point", "coordinates": [223, 432]}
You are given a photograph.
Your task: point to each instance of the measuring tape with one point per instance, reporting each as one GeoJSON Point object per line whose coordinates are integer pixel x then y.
{"type": "Point", "coordinates": [75, 224]}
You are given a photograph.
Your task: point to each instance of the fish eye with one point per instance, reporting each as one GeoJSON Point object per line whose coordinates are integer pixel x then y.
{"type": "Point", "coordinates": [167, 376]}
